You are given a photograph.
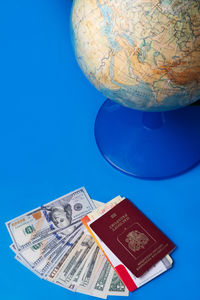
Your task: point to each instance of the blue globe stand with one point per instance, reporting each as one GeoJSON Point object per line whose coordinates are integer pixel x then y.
{"type": "Point", "coordinates": [151, 145]}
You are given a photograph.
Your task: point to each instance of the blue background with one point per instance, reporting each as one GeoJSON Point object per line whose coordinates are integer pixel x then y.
{"type": "Point", "coordinates": [48, 149]}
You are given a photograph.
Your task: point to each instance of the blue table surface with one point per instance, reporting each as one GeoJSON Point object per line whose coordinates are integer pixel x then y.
{"type": "Point", "coordinates": [47, 115]}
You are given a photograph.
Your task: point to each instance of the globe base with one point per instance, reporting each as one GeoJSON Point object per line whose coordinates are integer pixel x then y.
{"type": "Point", "coordinates": [149, 145]}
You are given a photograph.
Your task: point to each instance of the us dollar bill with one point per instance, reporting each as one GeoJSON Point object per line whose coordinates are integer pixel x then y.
{"type": "Point", "coordinates": [86, 278]}
{"type": "Point", "coordinates": [66, 255]}
{"type": "Point", "coordinates": [61, 215]}
{"type": "Point", "coordinates": [117, 287]}
{"type": "Point", "coordinates": [72, 264]}
{"type": "Point", "coordinates": [48, 263]}
{"type": "Point", "coordinates": [81, 271]}
{"type": "Point", "coordinates": [38, 252]}
{"type": "Point", "coordinates": [102, 283]}
{"type": "Point", "coordinates": [73, 284]}
{"type": "Point", "coordinates": [78, 267]}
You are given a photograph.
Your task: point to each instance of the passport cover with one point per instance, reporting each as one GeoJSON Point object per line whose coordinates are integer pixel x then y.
{"type": "Point", "coordinates": [132, 237]}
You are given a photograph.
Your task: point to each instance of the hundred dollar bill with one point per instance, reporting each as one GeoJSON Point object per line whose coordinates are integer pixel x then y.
{"type": "Point", "coordinates": [36, 253]}
{"type": "Point", "coordinates": [78, 279]}
{"type": "Point", "coordinates": [85, 275]}
{"type": "Point", "coordinates": [48, 262]}
{"type": "Point", "coordinates": [62, 214]}
{"type": "Point", "coordinates": [101, 281]}
{"type": "Point", "coordinates": [88, 274]}
{"type": "Point", "coordinates": [102, 284]}
{"type": "Point", "coordinates": [65, 257]}
{"type": "Point", "coordinates": [42, 253]}
{"type": "Point", "coordinates": [73, 284]}
{"type": "Point", "coordinates": [81, 271]}
{"type": "Point", "coordinates": [72, 264]}
{"type": "Point", "coordinates": [117, 287]}
{"type": "Point", "coordinates": [43, 256]}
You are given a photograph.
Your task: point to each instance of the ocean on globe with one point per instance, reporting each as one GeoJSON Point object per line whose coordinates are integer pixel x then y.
{"type": "Point", "coordinates": [144, 54]}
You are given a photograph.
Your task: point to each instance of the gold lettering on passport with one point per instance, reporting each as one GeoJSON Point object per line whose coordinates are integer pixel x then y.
{"type": "Point", "coordinates": [136, 240]}
{"type": "Point", "coordinates": [119, 222]}
{"type": "Point", "coordinates": [113, 215]}
{"type": "Point", "coordinates": [150, 256]}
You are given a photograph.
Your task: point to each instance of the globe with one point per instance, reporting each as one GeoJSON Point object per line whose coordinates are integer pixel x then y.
{"type": "Point", "coordinates": [143, 54]}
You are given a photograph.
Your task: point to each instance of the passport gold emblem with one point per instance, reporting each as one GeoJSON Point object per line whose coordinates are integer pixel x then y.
{"type": "Point", "coordinates": [136, 240]}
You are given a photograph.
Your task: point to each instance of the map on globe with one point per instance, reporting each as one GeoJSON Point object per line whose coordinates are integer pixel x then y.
{"type": "Point", "coordinates": [144, 54]}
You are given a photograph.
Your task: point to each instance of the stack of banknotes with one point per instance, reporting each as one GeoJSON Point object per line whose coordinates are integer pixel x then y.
{"type": "Point", "coordinates": [53, 243]}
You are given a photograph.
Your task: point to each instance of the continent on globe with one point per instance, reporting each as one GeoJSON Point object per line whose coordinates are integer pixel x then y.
{"type": "Point", "coordinates": [144, 54]}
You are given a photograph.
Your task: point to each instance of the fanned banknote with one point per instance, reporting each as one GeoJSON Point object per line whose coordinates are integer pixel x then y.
{"type": "Point", "coordinates": [52, 242]}
{"type": "Point", "coordinates": [102, 283]}
{"type": "Point", "coordinates": [117, 287]}
{"type": "Point", "coordinates": [73, 261]}
{"type": "Point", "coordinates": [59, 217]}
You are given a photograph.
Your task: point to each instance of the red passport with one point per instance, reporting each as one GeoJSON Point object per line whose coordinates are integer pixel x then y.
{"type": "Point", "coordinates": [132, 237]}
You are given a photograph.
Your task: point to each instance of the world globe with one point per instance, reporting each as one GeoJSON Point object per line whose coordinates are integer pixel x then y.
{"type": "Point", "coordinates": [143, 54]}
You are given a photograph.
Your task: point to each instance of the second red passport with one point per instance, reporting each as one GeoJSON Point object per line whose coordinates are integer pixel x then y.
{"type": "Point", "coordinates": [132, 237]}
